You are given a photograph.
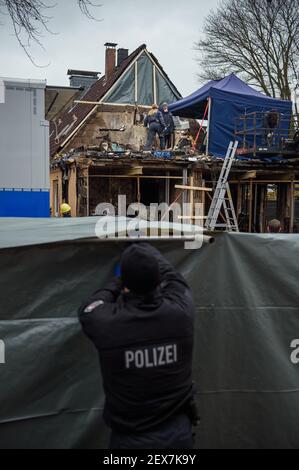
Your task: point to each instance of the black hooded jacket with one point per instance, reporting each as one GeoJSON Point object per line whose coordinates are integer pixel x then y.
{"type": "Point", "coordinates": [145, 346]}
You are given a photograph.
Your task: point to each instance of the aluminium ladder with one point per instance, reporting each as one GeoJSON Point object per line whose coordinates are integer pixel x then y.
{"type": "Point", "coordinates": [222, 196]}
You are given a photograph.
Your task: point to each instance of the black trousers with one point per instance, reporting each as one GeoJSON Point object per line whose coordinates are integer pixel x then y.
{"type": "Point", "coordinates": [176, 433]}
{"type": "Point", "coordinates": [166, 141]}
{"type": "Point", "coordinates": [153, 129]}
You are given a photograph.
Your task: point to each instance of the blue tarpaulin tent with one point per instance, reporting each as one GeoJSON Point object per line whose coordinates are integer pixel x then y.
{"type": "Point", "coordinates": [228, 99]}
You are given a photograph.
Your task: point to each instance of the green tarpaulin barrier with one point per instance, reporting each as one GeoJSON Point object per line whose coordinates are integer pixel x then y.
{"type": "Point", "coordinates": [247, 373]}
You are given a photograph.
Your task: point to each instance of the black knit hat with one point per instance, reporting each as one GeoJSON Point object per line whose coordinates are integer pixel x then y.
{"type": "Point", "coordinates": [139, 270]}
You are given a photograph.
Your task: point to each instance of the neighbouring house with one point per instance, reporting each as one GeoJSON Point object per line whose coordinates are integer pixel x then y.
{"type": "Point", "coordinates": [24, 149]}
{"type": "Point", "coordinates": [95, 141]}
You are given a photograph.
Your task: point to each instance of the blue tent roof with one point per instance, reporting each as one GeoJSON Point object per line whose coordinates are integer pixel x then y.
{"type": "Point", "coordinates": [233, 84]}
{"type": "Point", "coordinates": [230, 98]}
{"type": "Point", "coordinates": [193, 105]}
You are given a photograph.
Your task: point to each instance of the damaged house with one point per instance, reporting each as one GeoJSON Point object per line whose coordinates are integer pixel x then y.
{"type": "Point", "coordinates": [95, 141]}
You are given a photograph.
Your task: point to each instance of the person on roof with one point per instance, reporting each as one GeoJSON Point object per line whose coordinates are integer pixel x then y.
{"type": "Point", "coordinates": [166, 138]}
{"type": "Point", "coordinates": [271, 122]}
{"type": "Point", "coordinates": [142, 325]}
{"type": "Point", "coordinates": [66, 210]}
{"type": "Point", "coordinates": [156, 125]}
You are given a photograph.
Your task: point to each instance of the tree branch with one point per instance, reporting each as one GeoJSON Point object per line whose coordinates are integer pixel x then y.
{"type": "Point", "coordinates": [30, 19]}
{"type": "Point", "coordinates": [256, 38]}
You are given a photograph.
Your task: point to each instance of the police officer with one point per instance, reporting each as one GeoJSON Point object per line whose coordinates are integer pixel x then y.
{"type": "Point", "coordinates": [142, 326]}
{"type": "Point", "coordinates": [156, 125]}
{"type": "Point", "coordinates": [166, 137]}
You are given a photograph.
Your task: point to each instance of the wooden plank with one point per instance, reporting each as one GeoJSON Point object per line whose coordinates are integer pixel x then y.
{"type": "Point", "coordinates": [167, 189]}
{"type": "Point", "coordinates": [138, 190]}
{"type": "Point", "coordinates": [193, 217]}
{"type": "Point", "coordinates": [137, 176]}
{"type": "Point", "coordinates": [185, 183]}
{"type": "Point", "coordinates": [250, 201]}
{"type": "Point", "coordinates": [94, 103]}
{"type": "Point", "coordinates": [192, 194]}
{"type": "Point", "coordinates": [273, 181]}
{"type": "Point", "coordinates": [239, 200]}
{"type": "Point", "coordinates": [192, 188]}
{"type": "Point", "coordinates": [292, 208]}
{"type": "Point", "coordinates": [248, 175]}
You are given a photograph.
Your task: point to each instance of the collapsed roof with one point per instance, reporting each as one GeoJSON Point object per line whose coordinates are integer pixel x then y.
{"type": "Point", "coordinates": [139, 79]}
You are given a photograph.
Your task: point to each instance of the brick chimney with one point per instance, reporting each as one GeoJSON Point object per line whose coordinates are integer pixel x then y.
{"type": "Point", "coordinates": [122, 54]}
{"type": "Point", "coordinates": [110, 59]}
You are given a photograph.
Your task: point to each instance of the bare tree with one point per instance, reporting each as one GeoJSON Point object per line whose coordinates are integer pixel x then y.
{"type": "Point", "coordinates": [258, 39]}
{"type": "Point", "coordinates": [30, 18]}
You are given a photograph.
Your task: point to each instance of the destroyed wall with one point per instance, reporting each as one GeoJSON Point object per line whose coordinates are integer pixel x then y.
{"type": "Point", "coordinates": [82, 190]}
{"type": "Point", "coordinates": [72, 189]}
{"type": "Point", "coordinates": [106, 190]}
{"type": "Point", "coordinates": [121, 125]}
{"type": "Point", "coordinates": [63, 188]}
{"type": "Point", "coordinates": [55, 191]}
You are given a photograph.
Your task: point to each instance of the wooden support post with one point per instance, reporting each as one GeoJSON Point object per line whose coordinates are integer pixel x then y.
{"type": "Point", "coordinates": [192, 196]}
{"type": "Point", "coordinates": [138, 190]}
{"type": "Point", "coordinates": [292, 208]}
{"type": "Point", "coordinates": [203, 197]}
{"type": "Point", "coordinates": [263, 204]}
{"type": "Point", "coordinates": [200, 196]}
{"type": "Point", "coordinates": [87, 194]}
{"type": "Point", "coordinates": [155, 83]}
{"type": "Point", "coordinates": [167, 189]}
{"type": "Point", "coordinates": [239, 199]}
{"type": "Point", "coordinates": [110, 190]}
{"type": "Point", "coordinates": [255, 206]}
{"type": "Point", "coordinates": [282, 205]}
{"type": "Point", "coordinates": [209, 126]}
{"type": "Point", "coordinates": [250, 200]}
{"type": "Point", "coordinates": [185, 182]}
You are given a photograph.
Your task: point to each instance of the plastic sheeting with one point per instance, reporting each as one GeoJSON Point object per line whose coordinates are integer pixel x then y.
{"type": "Point", "coordinates": [145, 80]}
{"type": "Point", "coordinates": [246, 294]}
{"type": "Point", "coordinates": [25, 232]}
{"type": "Point", "coordinates": [230, 98]}
{"type": "Point", "coordinates": [165, 93]}
{"type": "Point", "coordinates": [124, 92]}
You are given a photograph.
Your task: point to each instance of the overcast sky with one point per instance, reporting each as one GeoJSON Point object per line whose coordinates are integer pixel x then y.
{"type": "Point", "coordinates": [168, 27]}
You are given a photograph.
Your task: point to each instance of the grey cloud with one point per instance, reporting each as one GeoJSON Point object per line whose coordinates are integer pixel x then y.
{"type": "Point", "coordinates": [168, 27]}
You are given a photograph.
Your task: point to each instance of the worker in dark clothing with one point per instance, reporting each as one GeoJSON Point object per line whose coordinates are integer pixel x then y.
{"type": "Point", "coordinates": [271, 122]}
{"type": "Point", "coordinates": [156, 125]}
{"type": "Point", "coordinates": [142, 327]}
{"type": "Point", "coordinates": [167, 136]}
